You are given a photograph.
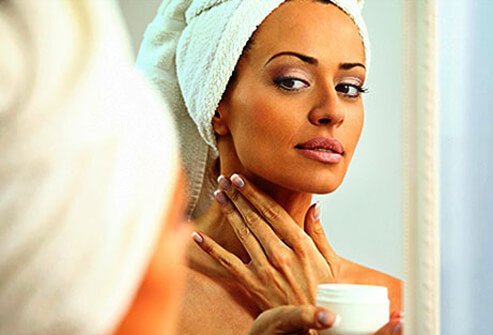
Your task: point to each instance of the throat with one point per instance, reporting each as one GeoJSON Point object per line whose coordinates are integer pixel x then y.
{"type": "Point", "coordinates": [216, 226]}
{"type": "Point", "coordinates": [296, 204]}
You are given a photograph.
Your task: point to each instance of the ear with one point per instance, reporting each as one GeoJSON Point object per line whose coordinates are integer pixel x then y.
{"type": "Point", "coordinates": [219, 123]}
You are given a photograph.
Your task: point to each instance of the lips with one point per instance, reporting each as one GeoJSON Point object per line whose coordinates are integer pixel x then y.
{"type": "Point", "coordinates": [322, 149]}
{"type": "Point", "coordinates": [323, 144]}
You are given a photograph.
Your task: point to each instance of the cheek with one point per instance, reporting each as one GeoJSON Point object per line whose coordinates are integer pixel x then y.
{"type": "Point", "coordinates": [263, 131]}
{"type": "Point", "coordinates": [355, 127]}
{"type": "Point", "coordinates": [261, 127]}
{"type": "Point", "coordinates": [265, 128]}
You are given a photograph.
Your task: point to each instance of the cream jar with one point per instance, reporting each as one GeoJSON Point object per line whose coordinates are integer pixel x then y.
{"type": "Point", "coordinates": [363, 309]}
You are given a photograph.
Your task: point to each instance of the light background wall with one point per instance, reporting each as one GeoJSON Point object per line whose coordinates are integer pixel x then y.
{"type": "Point", "coordinates": [363, 219]}
{"type": "Point", "coordinates": [466, 119]}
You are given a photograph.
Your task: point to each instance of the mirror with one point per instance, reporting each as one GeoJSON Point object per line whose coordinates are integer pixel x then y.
{"type": "Point", "coordinates": [385, 213]}
{"type": "Point", "coordinates": [363, 217]}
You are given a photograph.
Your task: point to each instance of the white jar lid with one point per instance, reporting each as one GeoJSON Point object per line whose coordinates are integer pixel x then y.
{"type": "Point", "coordinates": [352, 293]}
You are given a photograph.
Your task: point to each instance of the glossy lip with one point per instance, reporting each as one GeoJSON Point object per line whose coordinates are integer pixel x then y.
{"type": "Point", "coordinates": [311, 149]}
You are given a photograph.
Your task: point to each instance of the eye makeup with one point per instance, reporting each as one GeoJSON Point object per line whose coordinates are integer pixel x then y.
{"type": "Point", "coordinates": [291, 80]}
{"type": "Point", "coordinates": [350, 87]}
{"type": "Point", "coordinates": [290, 77]}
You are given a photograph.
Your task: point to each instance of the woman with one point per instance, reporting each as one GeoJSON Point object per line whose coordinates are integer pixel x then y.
{"type": "Point", "coordinates": [91, 196]}
{"type": "Point", "coordinates": [284, 125]}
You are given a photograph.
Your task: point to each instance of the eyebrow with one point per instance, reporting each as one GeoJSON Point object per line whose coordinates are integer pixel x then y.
{"type": "Point", "coordinates": [349, 66]}
{"type": "Point", "coordinates": [313, 61]}
{"type": "Point", "coordinates": [304, 58]}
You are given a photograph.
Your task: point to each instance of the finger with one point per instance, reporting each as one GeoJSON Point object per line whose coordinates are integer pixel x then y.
{"type": "Point", "coordinates": [293, 319]}
{"type": "Point", "coordinates": [397, 315]}
{"type": "Point", "coordinates": [274, 214]}
{"type": "Point", "coordinates": [227, 259]}
{"type": "Point", "coordinates": [314, 229]}
{"type": "Point", "coordinates": [397, 329]}
{"type": "Point", "coordinates": [251, 244]}
{"type": "Point", "coordinates": [304, 317]}
{"type": "Point", "coordinates": [270, 242]}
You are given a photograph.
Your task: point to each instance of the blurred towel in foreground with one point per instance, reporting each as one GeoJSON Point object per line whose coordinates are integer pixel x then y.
{"type": "Point", "coordinates": [88, 159]}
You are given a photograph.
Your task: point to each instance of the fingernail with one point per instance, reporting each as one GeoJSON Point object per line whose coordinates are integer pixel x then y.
{"type": "Point", "coordinates": [237, 181]}
{"type": "Point", "coordinates": [223, 182]}
{"type": "Point", "coordinates": [220, 197]}
{"type": "Point", "coordinates": [324, 318]}
{"type": "Point", "coordinates": [397, 328]}
{"type": "Point", "coordinates": [316, 212]}
{"type": "Point", "coordinates": [328, 319]}
{"type": "Point", "coordinates": [197, 238]}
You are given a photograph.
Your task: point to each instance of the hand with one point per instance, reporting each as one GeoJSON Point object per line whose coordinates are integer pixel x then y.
{"type": "Point", "coordinates": [306, 318]}
{"type": "Point", "coordinates": [287, 263]}
{"type": "Point", "coordinates": [394, 327]}
{"type": "Point", "coordinates": [293, 320]}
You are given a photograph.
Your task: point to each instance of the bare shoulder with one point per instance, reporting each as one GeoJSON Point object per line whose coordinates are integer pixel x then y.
{"type": "Point", "coordinates": [197, 304]}
{"type": "Point", "coordinates": [360, 274]}
{"type": "Point", "coordinates": [210, 306]}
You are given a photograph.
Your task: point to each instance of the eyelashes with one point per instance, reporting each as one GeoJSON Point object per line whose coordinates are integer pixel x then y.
{"type": "Point", "coordinates": [289, 83]}
{"type": "Point", "coordinates": [351, 90]}
{"type": "Point", "coordinates": [295, 84]}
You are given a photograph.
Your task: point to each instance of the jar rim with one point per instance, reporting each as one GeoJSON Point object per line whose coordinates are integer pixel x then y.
{"type": "Point", "coordinates": [352, 293]}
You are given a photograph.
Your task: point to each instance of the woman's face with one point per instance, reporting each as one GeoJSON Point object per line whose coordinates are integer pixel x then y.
{"type": "Point", "coordinates": [297, 92]}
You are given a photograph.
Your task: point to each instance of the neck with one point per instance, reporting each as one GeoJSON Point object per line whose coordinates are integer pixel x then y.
{"type": "Point", "coordinates": [214, 224]}
{"type": "Point", "coordinates": [296, 204]}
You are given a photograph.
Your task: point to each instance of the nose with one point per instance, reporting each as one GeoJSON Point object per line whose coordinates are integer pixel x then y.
{"type": "Point", "coordinates": [327, 110]}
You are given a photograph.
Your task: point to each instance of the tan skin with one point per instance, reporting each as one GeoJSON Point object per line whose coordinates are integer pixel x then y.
{"type": "Point", "coordinates": [276, 254]}
{"type": "Point", "coordinates": [156, 306]}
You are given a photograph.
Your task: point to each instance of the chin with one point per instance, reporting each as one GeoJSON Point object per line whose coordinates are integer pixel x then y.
{"type": "Point", "coordinates": [315, 184]}
{"type": "Point", "coordinates": [325, 189]}
{"type": "Point", "coordinates": [322, 187]}
{"type": "Point", "coordinates": [314, 181]}
{"type": "Point", "coordinates": [320, 181]}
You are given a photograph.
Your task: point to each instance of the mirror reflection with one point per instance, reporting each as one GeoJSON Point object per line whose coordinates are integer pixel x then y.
{"type": "Point", "coordinates": [282, 115]}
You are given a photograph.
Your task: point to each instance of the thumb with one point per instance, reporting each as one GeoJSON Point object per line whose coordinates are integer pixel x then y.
{"type": "Point", "coordinates": [306, 317]}
{"type": "Point", "coordinates": [313, 227]}
{"type": "Point", "coordinates": [293, 319]}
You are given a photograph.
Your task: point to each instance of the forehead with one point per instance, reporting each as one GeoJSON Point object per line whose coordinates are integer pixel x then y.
{"type": "Point", "coordinates": [318, 29]}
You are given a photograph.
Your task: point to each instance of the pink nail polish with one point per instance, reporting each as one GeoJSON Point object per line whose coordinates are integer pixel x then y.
{"type": "Point", "coordinates": [397, 328]}
{"type": "Point", "coordinates": [237, 181]}
{"type": "Point", "coordinates": [197, 237]}
{"type": "Point", "coordinates": [220, 197]}
{"type": "Point", "coordinates": [316, 212]}
{"type": "Point", "coordinates": [323, 318]}
{"type": "Point", "coordinates": [224, 183]}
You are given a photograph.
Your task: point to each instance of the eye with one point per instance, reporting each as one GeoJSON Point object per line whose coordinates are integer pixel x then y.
{"type": "Point", "coordinates": [291, 84]}
{"type": "Point", "coordinates": [350, 90]}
